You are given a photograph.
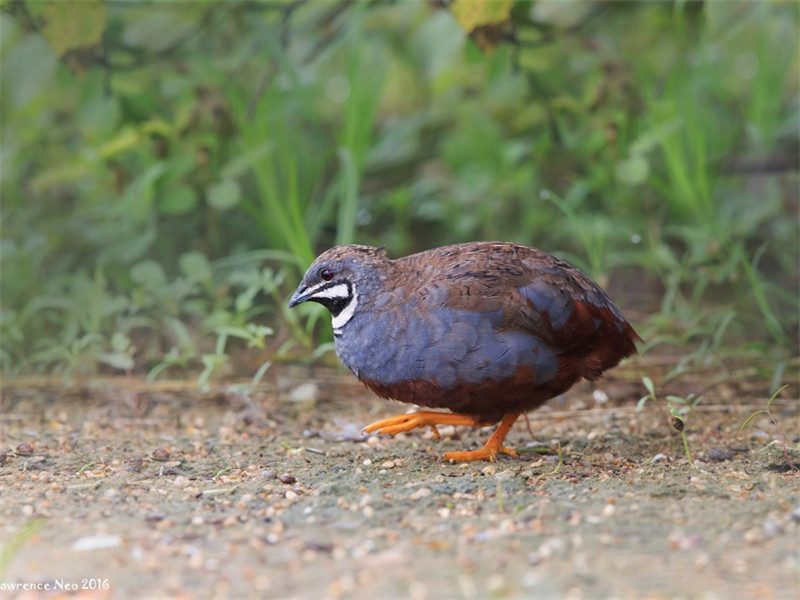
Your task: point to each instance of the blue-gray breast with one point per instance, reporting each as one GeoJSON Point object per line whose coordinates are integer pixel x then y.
{"type": "Point", "coordinates": [488, 330]}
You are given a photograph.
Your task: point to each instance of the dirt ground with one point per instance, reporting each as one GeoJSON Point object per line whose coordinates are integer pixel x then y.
{"type": "Point", "coordinates": [117, 489]}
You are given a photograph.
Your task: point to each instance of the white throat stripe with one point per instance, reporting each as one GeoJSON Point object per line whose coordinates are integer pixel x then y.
{"type": "Point", "coordinates": [347, 312]}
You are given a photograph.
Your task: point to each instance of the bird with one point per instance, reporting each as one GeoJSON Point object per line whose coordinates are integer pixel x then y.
{"type": "Point", "coordinates": [486, 330]}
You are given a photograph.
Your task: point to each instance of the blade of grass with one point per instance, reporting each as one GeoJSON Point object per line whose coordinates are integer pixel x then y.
{"type": "Point", "coordinates": [9, 549]}
{"type": "Point", "coordinates": [365, 74]}
{"type": "Point", "coordinates": [349, 184]}
{"type": "Point", "coordinates": [771, 322]}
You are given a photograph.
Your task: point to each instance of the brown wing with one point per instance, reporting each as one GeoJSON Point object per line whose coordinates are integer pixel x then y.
{"type": "Point", "coordinates": [537, 294]}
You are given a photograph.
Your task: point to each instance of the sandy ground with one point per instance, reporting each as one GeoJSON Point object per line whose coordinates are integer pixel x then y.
{"type": "Point", "coordinates": [116, 489]}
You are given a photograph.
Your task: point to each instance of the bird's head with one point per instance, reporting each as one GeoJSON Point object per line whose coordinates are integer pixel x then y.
{"type": "Point", "coordinates": [338, 278]}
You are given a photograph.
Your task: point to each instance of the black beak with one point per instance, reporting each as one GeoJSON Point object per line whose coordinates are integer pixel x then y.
{"type": "Point", "coordinates": [299, 296]}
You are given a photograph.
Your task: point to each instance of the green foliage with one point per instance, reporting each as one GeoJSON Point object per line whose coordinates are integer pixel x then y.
{"type": "Point", "coordinates": [170, 169]}
{"type": "Point", "coordinates": [764, 411]}
{"type": "Point", "coordinates": [79, 322]}
{"type": "Point", "coordinates": [679, 408]}
{"type": "Point", "coordinates": [12, 547]}
{"type": "Point", "coordinates": [781, 437]}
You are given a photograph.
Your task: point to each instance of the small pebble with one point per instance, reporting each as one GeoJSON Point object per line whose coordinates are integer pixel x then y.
{"type": "Point", "coordinates": [772, 528]}
{"type": "Point", "coordinates": [495, 583]}
{"type": "Point", "coordinates": [507, 526]}
{"type": "Point", "coordinates": [531, 579]}
{"type": "Point", "coordinates": [754, 535]}
{"type": "Point", "coordinates": [287, 479]}
{"type": "Point", "coordinates": [230, 521]}
{"type": "Point", "coordinates": [26, 449]}
{"type": "Point", "coordinates": [305, 393]}
{"type": "Point", "coordinates": [720, 454]}
{"type": "Point", "coordinates": [683, 541]}
{"type": "Point", "coordinates": [96, 542]}
{"type": "Point", "coordinates": [701, 561]}
{"type": "Point", "coordinates": [447, 432]}
{"type": "Point", "coordinates": [162, 454]}
{"type": "Point", "coordinates": [547, 549]}
{"type": "Point", "coordinates": [134, 465]}
{"type": "Point", "coordinates": [154, 516]}
{"type": "Point", "coordinates": [420, 493]}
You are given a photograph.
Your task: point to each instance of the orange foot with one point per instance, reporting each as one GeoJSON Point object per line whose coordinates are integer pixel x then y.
{"type": "Point", "coordinates": [424, 418]}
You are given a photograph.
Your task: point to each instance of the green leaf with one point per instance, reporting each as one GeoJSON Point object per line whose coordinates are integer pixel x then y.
{"type": "Point", "coordinates": [71, 25]}
{"type": "Point", "coordinates": [149, 274]}
{"type": "Point", "coordinates": [650, 139]}
{"type": "Point", "coordinates": [260, 372]}
{"type": "Point", "coordinates": [633, 170]}
{"type": "Point", "coordinates": [177, 200]}
{"type": "Point", "coordinates": [763, 411]}
{"type": "Point", "coordinates": [126, 139]}
{"type": "Point", "coordinates": [471, 14]}
{"type": "Point", "coordinates": [120, 342]}
{"type": "Point", "coordinates": [98, 111]}
{"type": "Point", "coordinates": [776, 394]}
{"type": "Point", "coordinates": [29, 68]}
{"type": "Point", "coordinates": [117, 360]}
{"type": "Point", "coordinates": [195, 266]}
{"type": "Point", "coordinates": [224, 195]}
{"type": "Point", "coordinates": [211, 362]}
{"type": "Point", "coordinates": [678, 399]}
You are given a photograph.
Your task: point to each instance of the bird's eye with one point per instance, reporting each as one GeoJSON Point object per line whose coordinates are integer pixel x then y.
{"type": "Point", "coordinates": [326, 274]}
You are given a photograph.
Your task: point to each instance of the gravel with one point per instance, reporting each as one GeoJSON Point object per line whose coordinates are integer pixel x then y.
{"type": "Point", "coordinates": [225, 495]}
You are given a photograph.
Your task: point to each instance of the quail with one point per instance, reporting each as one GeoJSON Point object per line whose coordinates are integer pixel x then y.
{"type": "Point", "coordinates": [488, 330]}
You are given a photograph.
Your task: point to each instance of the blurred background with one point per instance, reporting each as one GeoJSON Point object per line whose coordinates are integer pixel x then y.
{"type": "Point", "coordinates": [169, 170]}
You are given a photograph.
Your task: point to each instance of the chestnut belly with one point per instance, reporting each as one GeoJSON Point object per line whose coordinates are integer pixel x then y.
{"type": "Point", "coordinates": [487, 400]}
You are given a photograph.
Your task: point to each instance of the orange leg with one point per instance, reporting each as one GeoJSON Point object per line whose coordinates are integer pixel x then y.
{"type": "Point", "coordinates": [493, 447]}
{"type": "Point", "coordinates": [424, 418]}
{"type": "Point", "coordinates": [421, 418]}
